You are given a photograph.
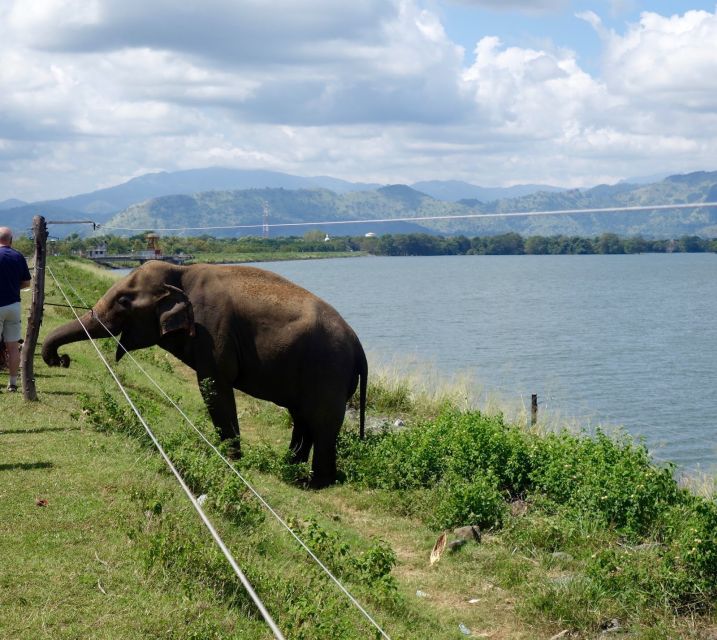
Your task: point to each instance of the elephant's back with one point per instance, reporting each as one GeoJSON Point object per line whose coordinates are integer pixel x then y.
{"type": "Point", "coordinates": [258, 293]}
{"type": "Point", "coordinates": [250, 280]}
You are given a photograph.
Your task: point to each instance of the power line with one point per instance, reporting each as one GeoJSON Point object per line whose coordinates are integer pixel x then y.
{"type": "Point", "coordinates": [220, 543]}
{"type": "Point", "coordinates": [246, 483]}
{"type": "Point", "coordinates": [467, 216]}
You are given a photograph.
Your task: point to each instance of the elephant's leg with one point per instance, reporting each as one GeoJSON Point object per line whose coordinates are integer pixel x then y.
{"type": "Point", "coordinates": [323, 465]}
{"type": "Point", "coordinates": [325, 429]}
{"type": "Point", "coordinates": [219, 400]}
{"type": "Point", "coordinates": [301, 441]}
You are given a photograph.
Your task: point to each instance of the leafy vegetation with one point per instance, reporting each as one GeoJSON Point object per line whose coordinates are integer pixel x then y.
{"type": "Point", "coordinates": [313, 244]}
{"type": "Point", "coordinates": [578, 529]}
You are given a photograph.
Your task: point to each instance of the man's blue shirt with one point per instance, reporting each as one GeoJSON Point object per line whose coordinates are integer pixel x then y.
{"type": "Point", "coordinates": [13, 271]}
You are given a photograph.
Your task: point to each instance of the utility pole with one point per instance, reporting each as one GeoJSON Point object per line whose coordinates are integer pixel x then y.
{"type": "Point", "coordinates": [265, 223]}
{"type": "Point", "coordinates": [39, 231]}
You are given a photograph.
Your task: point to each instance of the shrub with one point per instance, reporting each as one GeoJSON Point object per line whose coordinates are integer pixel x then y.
{"type": "Point", "coordinates": [614, 480]}
{"type": "Point", "coordinates": [461, 502]}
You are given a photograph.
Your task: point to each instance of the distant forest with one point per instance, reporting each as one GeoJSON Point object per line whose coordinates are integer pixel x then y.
{"type": "Point", "coordinates": [414, 244]}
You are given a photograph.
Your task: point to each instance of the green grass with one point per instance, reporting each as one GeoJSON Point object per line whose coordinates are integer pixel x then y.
{"type": "Point", "coordinates": [578, 529]}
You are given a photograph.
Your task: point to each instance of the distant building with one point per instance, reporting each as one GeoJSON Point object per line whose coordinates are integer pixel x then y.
{"type": "Point", "coordinates": [100, 251]}
{"type": "Point", "coordinates": [153, 245]}
{"type": "Point", "coordinates": [370, 234]}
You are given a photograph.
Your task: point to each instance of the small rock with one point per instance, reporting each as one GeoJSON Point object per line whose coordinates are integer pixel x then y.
{"type": "Point", "coordinates": [399, 423]}
{"type": "Point", "coordinates": [454, 545]}
{"type": "Point", "coordinates": [562, 555]}
{"type": "Point", "coordinates": [474, 601]}
{"type": "Point", "coordinates": [421, 594]}
{"type": "Point", "coordinates": [471, 532]}
{"type": "Point", "coordinates": [518, 508]}
{"type": "Point", "coordinates": [613, 626]}
{"type": "Point", "coordinates": [377, 425]}
{"type": "Point", "coordinates": [464, 630]}
{"type": "Point", "coordinates": [564, 580]}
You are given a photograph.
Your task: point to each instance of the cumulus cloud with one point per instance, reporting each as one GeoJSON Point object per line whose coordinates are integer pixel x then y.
{"type": "Point", "coordinates": [306, 63]}
{"type": "Point", "coordinates": [671, 58]}
{"type": "Point", "coordinates": [532, 93]}
{"type": "Point", "coordinates": [97, 91]}
{"type": "Point", "coordinates": [232, 33]}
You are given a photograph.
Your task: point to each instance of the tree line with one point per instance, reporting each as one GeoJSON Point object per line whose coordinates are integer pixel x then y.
{"type": "Point", "coordinates": [412, 244]}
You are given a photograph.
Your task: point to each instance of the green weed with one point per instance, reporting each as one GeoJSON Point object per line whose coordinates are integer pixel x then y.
{"type": "Point", "coordinates": [371, 568]}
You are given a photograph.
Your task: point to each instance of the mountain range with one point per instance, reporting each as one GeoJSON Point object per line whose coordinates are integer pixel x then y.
{"type": "Point", "coordinates": [218, 197]}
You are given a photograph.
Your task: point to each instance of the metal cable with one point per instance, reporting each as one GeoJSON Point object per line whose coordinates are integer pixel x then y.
{"type": "Point", "coordinates": [467, 216]}
{"type": "Point", "coordinates": [246, 483]}
{"type": "Point", "coordinates": [227, 554]}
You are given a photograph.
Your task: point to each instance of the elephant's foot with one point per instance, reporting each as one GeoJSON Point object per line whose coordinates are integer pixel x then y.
{"type": "Point", "coordinates": [323, 464]}
{"type": "Point", "coordinates": [321, 482]}
{"type": "Point", "coordinates": [232, 448]}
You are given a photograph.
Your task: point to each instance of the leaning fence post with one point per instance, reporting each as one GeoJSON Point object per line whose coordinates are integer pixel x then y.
{"type": "Point", "coordinates": [533, 409]}
{"type": "Point", "coordinates": [39, 231]}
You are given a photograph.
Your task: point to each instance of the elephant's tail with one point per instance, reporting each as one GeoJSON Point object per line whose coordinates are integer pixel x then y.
{"type": "Point", "coordinates": [363, 375]}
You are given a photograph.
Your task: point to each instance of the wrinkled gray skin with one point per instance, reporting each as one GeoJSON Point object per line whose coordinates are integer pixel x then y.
{"type": "Point", "coordinates": [239, 328]}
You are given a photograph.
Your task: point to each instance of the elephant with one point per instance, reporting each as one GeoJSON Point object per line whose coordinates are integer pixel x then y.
{"type": "Point", "coordinates": [244, 328]}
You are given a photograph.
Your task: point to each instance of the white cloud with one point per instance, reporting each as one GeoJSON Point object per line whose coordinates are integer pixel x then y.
{"type": "Point", "coordinates": [531, 93]}
{"type": "Point", "coordinates": [673, 59]}
{"type": "Point", "coordinates": [374, 90]}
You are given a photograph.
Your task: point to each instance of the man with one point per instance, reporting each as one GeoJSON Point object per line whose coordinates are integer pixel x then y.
{"type": "Point", "coordinates": [14, 275]}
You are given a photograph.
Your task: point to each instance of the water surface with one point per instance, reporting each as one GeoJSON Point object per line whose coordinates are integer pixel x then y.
{"type": "Point", "coordinates": [626, 340]}
{"type": "Point", "coordinates": [611, 340]}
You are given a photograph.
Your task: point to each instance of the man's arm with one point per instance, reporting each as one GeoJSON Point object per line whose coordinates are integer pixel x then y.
{"type": "Point", "coordinates": [26, 276]}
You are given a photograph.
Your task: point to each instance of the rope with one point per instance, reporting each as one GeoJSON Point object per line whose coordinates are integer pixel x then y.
{"type": "Point", "coordinates": [246, 483]}
{"type": "Point", "coordinates": [468, 216]}
{"type": "Point", "coordinates": [240, 574]}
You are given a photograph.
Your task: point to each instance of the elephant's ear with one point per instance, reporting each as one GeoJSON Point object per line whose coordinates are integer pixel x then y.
{"type": "Point", "coordinates": [174, 311]}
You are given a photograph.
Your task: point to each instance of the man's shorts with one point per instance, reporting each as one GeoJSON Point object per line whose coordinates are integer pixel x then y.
{"type": "Point", "coordinates": [10, 322]}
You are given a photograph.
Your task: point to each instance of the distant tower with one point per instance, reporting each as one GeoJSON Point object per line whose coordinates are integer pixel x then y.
{"type": "Point", "coordinates": [265, 224]}
{"type": "Point", "coordinates": [153, 245]}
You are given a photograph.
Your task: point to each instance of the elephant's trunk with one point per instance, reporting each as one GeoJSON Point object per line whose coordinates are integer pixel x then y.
{"type": "Point", "coordinates": [73, 331]}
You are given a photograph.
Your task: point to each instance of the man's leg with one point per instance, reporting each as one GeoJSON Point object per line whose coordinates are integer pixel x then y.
{"type": "Point", "coordinates": [13, 362]}
{"type": "Point", "coordinates": [11, 331]}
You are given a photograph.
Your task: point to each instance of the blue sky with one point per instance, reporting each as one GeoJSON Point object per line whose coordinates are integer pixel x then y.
{"type": "Point", "coordinates": [493, 92]}
{"type": "Point", "coordinates": [557, 24]}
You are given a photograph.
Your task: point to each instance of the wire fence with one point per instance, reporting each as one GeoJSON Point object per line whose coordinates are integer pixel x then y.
{"type": "Point", "coordinates": [207, 523]}
{"type": "Point", "coordinates": [216, 451]}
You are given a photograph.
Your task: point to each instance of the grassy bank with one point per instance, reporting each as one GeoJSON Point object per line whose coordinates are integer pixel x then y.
{"type": "Point", "coordinates": [579, 534]}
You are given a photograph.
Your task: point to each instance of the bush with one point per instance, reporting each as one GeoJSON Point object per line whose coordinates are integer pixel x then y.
{"type": "Point", "coordinates": [460, 502]}
{"type": "Point", "coordinates": [459, 468]}
{"type": "Point", "coordinates": [613, 480]}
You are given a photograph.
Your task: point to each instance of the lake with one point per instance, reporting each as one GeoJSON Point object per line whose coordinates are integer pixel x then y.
{"type": "Point", "coordinates": [603, 340]}
{"type": "Point", "coordinates": [618, 340]}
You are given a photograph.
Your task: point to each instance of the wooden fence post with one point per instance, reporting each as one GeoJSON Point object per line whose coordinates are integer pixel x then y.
{"type": "Point", "coordinates": [533, 409]}
{"type": "Point", "coordinates": [39, 230]}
